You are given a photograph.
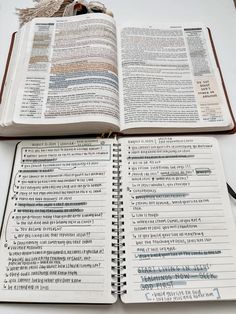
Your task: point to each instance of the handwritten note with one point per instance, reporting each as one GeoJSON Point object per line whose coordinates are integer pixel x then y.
{"type": "Point", "coordinates": [177, 221]}
{"type": "Point", "coordinates": [55, 237]}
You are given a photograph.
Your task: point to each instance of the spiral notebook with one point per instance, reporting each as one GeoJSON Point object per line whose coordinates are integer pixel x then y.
{"type": "Point", "coordinates": [146, 219]}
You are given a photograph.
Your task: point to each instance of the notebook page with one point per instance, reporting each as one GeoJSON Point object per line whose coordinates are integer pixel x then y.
{"type": "Point", "coordinates": [180, 234]}
{"type": "Point", "coordinates": [56, 235]}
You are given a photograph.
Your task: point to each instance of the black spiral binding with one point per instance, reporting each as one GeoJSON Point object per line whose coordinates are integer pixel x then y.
{"type": "Point", "coordinates": [118, 245]}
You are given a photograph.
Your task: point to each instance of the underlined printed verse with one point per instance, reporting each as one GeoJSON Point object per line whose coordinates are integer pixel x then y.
{"type": "Point", "coordinates": [72, 70]}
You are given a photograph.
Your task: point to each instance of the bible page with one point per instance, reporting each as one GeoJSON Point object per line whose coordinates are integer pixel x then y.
{"type": "Point", "coordinates": [56, 234]}
{"type": "Point", "coordinates": [68, 73]}
{"type": "Point", "coordinates": [169, 79]}
{"type": "Point", "coordinates": [180, 236]}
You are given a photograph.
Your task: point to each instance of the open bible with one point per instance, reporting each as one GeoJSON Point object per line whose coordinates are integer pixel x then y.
{"type": "Point", "coordinates": [80, 75]}
{"type": "Point", "coordinates": [145, 218]}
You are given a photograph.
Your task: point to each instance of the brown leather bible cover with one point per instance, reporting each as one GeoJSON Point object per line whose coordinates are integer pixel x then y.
{"type": "Point", "coordinates": [222, 82]}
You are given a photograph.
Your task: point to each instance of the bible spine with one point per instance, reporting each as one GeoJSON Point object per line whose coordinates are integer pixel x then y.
{"type": "Point", "coordinates": [118, 245]}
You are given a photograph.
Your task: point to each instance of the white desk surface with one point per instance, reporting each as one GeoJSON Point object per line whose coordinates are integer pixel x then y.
{"type": "Point", "coordinates": [220, 17]}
